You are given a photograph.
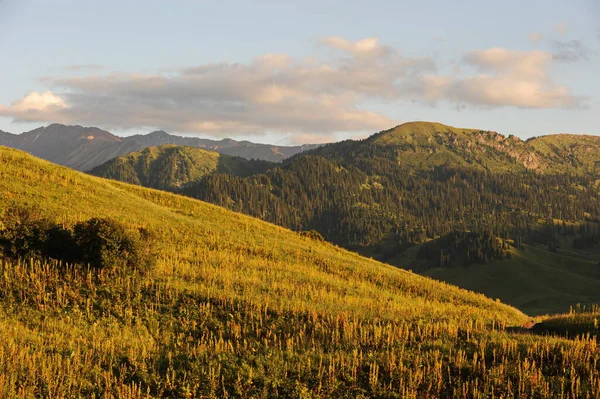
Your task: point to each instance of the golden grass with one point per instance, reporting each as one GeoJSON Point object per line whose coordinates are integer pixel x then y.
{"type": "Point", "coordinates": [236, 307]}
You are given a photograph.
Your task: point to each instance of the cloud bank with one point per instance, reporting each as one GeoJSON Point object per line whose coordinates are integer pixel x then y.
{"type": "Point", "coordinates": [283, 94]}
{"type": "Point", "coordinates": [511, 78]}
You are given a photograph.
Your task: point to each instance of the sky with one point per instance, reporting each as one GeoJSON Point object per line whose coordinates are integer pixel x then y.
{"type": "Point", "coordinates": [291, 72]}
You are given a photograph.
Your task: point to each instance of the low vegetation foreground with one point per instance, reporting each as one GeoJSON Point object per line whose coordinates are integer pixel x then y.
{"type": "Point", "coordinates": [230, 306]}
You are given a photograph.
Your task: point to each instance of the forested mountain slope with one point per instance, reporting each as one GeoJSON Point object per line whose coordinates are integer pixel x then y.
{"type": "Point", "coordinates": [170, 167]}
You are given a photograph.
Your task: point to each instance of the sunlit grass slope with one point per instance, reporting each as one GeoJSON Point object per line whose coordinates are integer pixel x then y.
{"type": "Point", "coordinates": [214, 250]}
{"type": "Point", "coordinates": [236, 307]}
{"type": "Point", "coordinates": [579, 152]}
{"type": "Point", "coordinates": [424, 145]}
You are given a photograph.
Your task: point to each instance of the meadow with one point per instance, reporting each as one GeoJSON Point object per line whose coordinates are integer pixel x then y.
{"type": "Point", "coordinates": [236, 307]}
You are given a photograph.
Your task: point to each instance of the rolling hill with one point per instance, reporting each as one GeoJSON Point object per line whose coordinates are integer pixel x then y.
{"type": "Point", "coordinates": [569, 152]}
{"type": "Point", "coordinates": [170, 167]}
{"type": "Point", "coordinates": [83, 148]}
{"type": "Point", "coordinates": [426, 145]}
{"type": "Point", "coordinates": [236, 307]}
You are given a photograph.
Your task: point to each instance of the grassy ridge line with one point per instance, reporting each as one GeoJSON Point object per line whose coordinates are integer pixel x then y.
{"type": "Point", "coordinates": [216, 252]}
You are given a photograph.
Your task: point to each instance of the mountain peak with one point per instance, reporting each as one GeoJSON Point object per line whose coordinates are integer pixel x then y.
{"type": "Point", "coordinates": [60, 131]}
{"type": "Point", "coordinates": [159, 133]}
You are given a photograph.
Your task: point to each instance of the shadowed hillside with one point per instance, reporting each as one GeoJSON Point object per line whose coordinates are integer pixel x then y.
{"type": "Point", "coordinates": [170, 167]}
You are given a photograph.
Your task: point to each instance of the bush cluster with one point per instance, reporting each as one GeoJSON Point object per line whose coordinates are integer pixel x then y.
{"type": "Point", "coordinates": [312, 234]}
{"type": "Point", "coordinates": [98, 242]}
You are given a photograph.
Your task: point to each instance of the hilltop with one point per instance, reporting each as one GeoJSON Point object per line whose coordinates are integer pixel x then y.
{"type": "Point", "coordinates": [426, 145]}
{"type": "Point", "coordinates": [83, 148]}
{"type": "Point", "coordinates": [171, 167]}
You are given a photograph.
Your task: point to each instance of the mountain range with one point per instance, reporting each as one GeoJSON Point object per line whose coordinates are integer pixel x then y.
{"type": "Point", "coordinates": [83, 148]}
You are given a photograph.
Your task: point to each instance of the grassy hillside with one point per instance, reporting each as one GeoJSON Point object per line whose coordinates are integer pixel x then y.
{"type": "Point", "coordinates": [425, 145]}
{"type": "Point", "coordinates": [534, 279]}
{"type": "Point", "coordinates": [236, 307]}
{"type": "Point", "coordinates": [170, 167]}
{"type": "Point", "coordinates": [576, 152]}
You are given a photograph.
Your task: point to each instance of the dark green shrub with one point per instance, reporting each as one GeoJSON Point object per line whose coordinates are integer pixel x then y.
{"type": "Point", "coordinates": [60, 244]}
{"type": "Point", "coordinates": [107, 243]}
{"type": "Point", "coordinates": [101, 243]}
{"type": "Point", "coordinates": [23, 232]}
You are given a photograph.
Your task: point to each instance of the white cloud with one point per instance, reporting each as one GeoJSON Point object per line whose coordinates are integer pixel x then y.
{"type": "Point", "coordinates": [501, 90]}
{"type": "Point", "coordinates": [511, 78]}
{"type": "Point", "coordinates": [36, 106]}
{"type": "Point", "coordinates": [364, 47]}
{"type": "Point", "coordinates": [283, 94]}
{"type": "Point", "coordinates": [525, 64]}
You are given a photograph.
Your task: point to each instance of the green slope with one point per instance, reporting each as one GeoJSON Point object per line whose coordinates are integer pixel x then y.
{"type": "Point", "coordinates": [425, 145]}
{"type": "Point", "coordinates": [580, 153]}
{"type": "Point", "coordinates": [170, 167]}
{"type": "Point", "coordinates": [418, 133]}
{"type": "Point", "coordinates": [236, 307]}
{"type": "Point", "coordinates": [191, 225]}
{"type": "Point", "coordinates": [534, 280]}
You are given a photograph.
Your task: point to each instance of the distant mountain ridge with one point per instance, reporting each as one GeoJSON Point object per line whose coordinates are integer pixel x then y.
{"type": "Point", "coordinates": [83, 148]}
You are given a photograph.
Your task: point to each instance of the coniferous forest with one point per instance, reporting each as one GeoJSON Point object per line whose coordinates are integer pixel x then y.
{"type": "Point", "coordinates": [382, 202]}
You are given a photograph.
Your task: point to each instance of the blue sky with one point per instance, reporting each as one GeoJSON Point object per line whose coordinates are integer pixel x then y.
{"type": "Point", "coordinates": [309, 71]}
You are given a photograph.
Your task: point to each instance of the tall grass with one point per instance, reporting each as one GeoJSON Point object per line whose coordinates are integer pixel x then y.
{"type": "Point", "coordinates": [73, 332]}
{"type": "Point", "coordinates": [239, 308]}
